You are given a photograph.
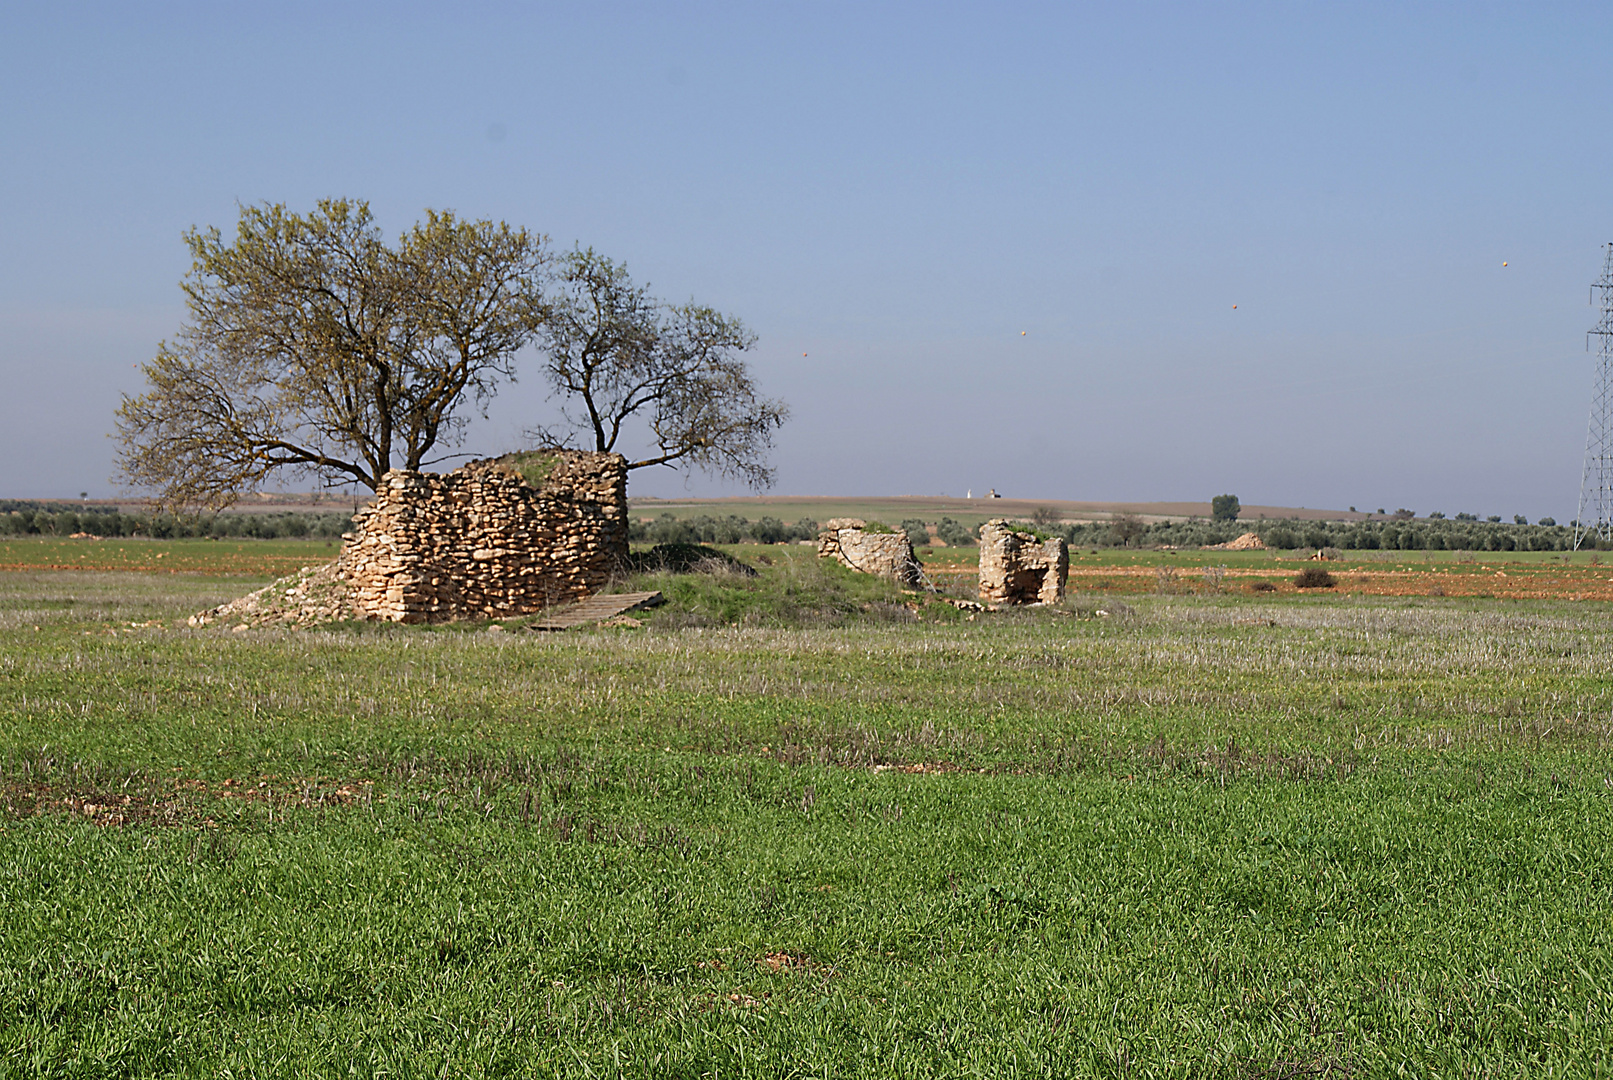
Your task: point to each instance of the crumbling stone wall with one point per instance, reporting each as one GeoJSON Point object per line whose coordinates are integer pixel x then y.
{"type": "Point", "coordinates": [882, 554]}
{"type": "Point", "coordinates": [1017, 568]}
{"type": "Point", "coordinates": [486, 541]}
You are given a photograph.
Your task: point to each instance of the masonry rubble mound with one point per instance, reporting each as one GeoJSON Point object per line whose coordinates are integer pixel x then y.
{"type": "Point", "coordinates": [1017, 568]}
{"type": "Point", "coordinates": [479, 542]}
{"type": "Point", "coordinates": [887, 555]}
{"type": "Point", "coordinates": [312, 595]}
{"type": "Point", "coordinates": [1247, 542]}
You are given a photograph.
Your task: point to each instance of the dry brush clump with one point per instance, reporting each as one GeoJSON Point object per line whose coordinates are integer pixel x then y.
{"type": "Point", "coordinates": [1314, 577]}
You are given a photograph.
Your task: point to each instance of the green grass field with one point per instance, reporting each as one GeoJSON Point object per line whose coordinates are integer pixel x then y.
{"type": "Point", "coordinates": [788, 828]}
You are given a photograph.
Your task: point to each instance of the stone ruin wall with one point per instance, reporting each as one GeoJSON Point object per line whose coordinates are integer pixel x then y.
{"type": "Point", "coordinates": [481, 542]}
{"type": "Point", "coordinates": [1016, 568]}
{"type": "Point", "coordinates": [887, 555]}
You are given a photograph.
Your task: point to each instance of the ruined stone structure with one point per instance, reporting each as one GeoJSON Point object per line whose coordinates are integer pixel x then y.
{"type": "Point", "coordinates": [497, 538]}
{"type": "Point", "coordinates": [1017, 568]}
{"type": "Point", "coordinates": [882, 554]}
{"type": "Point", "coordinates": [1247, 542]}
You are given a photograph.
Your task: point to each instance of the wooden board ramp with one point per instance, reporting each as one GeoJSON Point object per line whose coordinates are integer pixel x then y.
{"type": "Point", "coordinates": [596, 608]}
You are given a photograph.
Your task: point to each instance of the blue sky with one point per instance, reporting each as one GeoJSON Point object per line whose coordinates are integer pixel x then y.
{"type": "Point", "coordinates": [1009, 243]}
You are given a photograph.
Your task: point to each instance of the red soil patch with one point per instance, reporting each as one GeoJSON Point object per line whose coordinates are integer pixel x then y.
{"type": "Point", "coordinates": [1513, 581]}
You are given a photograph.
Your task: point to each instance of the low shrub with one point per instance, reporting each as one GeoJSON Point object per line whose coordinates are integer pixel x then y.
{"type": "Point", "coordinates": [1042, 535]}
{"type": "Point", "coordinates": [533, 466]}
{"type": "Point", "coordinates": [687, 559]}
{"type": "Point", "coordinates": [1314, 577]}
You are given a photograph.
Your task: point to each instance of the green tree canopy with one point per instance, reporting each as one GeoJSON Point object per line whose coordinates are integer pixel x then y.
{"type": "Point", "coordinates": [1225, 508]}
{"type": "Point", "coordinates": [313, 345]}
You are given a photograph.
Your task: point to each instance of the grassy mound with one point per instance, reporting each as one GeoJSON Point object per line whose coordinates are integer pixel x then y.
{"type": "Point", "coordinates": [790, 586]}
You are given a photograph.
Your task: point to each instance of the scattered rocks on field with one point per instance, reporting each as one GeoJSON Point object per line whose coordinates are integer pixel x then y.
{"type": "Point", "coordinates": [314, 594]}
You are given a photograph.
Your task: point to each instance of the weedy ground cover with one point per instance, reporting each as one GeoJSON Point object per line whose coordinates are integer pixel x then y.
{"type": "Point", "coordinates": [766, 834]}
{"type": "Point", "coordinates": [252, 558]}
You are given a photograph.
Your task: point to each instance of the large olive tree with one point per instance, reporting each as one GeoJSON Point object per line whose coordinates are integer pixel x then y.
{"type": "Point", "coordinates": [315, 346]}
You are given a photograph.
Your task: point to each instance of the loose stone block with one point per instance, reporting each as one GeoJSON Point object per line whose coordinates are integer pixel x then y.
{"type": "Point", "coordinates": [882, 554]}
{"type": "Point", "coordinates": [1017, 568]}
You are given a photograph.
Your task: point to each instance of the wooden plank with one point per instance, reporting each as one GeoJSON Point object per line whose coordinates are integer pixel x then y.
{"type": "Point", "coordinates": [596, 608]}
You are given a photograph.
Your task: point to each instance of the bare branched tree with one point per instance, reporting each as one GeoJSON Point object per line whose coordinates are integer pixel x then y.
{"type": "Point", "coordinates": [313, 346]}
{"type": "Point", "coordinates": [615, 353]}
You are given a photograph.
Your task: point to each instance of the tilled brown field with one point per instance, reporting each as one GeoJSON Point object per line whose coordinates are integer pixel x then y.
{"type": "Point", "coordinates": [1517, 581]}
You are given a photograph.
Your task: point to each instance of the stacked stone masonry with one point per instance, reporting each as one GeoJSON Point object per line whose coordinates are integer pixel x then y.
{"type": "Point", "coordinates": [483, 542]}
{"type": "Point", "coordinates": [1017, 568]}
{"type": "Point", "coordinates": [882, 554]}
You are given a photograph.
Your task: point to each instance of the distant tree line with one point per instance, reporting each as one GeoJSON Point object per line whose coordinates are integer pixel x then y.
{"type": "Point", "coordinates": [20, 517]}
{"type": "Point", "coordinates": [705, 529]}
{"type": "Point", "coordinates": [1424, 535]}
{"type": "Point", "coordinates": [24, 518]}
{"type": "Point", "coordinates": [1125, 530]}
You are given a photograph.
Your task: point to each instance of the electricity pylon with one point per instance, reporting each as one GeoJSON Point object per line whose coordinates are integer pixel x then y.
{"type": "Point", "coordinates": [1595, 518]}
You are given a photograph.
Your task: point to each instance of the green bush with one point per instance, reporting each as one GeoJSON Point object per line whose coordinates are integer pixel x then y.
{"type": "Point", "coordinates": [706, 529]}
{"type": "Point", "coordinates": [1314, 577]}
{"type": "Point", "coordinates": [769, 530]}
{"type": "Point", "coordinates": [1281, 536]}
{"type": "Point", "coordinates": [1042, 535]}
{"type": "Point", "coordinates": [917, 534]}
{"type": "Point", "coordinates": [533, 466]}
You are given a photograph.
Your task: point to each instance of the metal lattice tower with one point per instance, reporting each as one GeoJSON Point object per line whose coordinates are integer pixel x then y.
{"type": "Point", "coordinates": [1595, 518]}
